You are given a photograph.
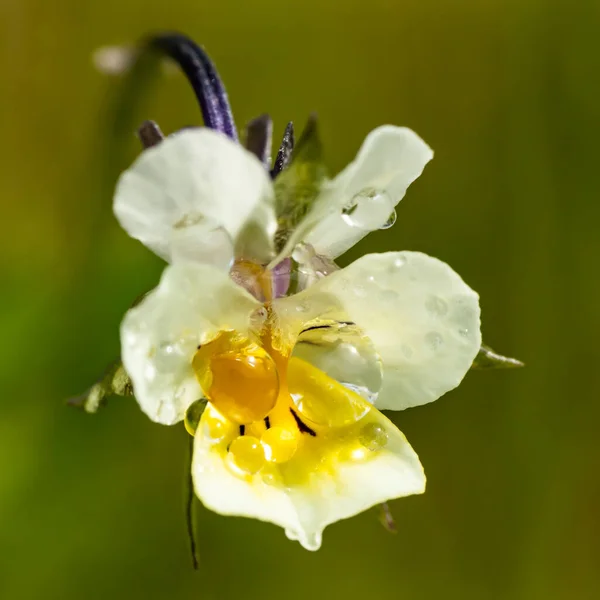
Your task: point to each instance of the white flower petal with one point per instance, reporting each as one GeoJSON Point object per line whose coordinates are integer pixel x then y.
{"type": "Point", "coordinates": [304, 499]}
{"type": "Point", "coordinates": [368, 189]}
{"type": "Point", "coordinates": [199, 196]}
{"type": "Point", "coordinates": [422, 319]}
{"type": "Point", "coordinates": [160, 335]}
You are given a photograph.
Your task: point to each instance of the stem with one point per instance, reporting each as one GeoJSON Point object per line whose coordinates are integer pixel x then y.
{"type": "Point", "coordinates": [203, 77]}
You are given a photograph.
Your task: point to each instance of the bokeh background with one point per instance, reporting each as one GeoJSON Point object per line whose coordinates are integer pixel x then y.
{"type": "Point", "coordinates": [507, 93]}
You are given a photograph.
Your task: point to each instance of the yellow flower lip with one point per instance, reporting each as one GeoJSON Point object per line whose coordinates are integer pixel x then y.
{"type": "Point", "coordinates": [274, 415]}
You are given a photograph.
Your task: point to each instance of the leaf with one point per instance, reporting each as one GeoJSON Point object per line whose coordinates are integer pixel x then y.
{"type": "Point", "coordinates": [489, 359]}
{"type": "Point", "coordinates": [115, 382]}
{"type": "Point", "coordinates": [297, 186]}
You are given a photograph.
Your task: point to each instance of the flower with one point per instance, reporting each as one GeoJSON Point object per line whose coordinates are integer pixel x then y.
{"type": "Point", "coordinates": [278, 362]}
{"type": "Point", "coordinates": [292, 432]}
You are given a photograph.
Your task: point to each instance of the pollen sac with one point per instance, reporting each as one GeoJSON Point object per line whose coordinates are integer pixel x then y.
{"type": "Point", "coordinates": [241, 381]}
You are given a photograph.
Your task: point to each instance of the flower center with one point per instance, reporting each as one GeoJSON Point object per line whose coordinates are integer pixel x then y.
{"type": "Point", "coordinates": [271, 406]}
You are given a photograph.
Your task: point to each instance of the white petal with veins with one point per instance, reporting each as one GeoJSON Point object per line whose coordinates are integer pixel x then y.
{"type": "Point", "coordinates": [160, 335]}
{"type": "Point", "coordinates": [362, 197]}
{"type": "Point", "coordinates": [202, 181]}
{"type": "Point", "coordinates": [421, 317]}
{"type": "Point", "coordinates": [325, 482]}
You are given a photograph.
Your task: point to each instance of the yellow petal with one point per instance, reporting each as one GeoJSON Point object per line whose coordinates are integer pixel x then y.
{"type": "Point", "coordinates": [336, 466]}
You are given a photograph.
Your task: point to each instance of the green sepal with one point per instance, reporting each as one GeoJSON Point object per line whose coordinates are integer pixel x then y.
{"type": "Point", "coordinates": [489, 359]}
{"type": "Point", "coordinates": [298, 185]}
{"type": "Point", "coordinates": [115, 382]}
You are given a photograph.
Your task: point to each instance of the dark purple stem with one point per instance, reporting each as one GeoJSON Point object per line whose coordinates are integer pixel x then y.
{"type": "Point", "coordinates": [203, 77]}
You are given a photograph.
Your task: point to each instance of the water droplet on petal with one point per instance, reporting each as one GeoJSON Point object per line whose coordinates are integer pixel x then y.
{"type": "Point", "coordinates": [369, 209]}
{"type": "Point", "coordinates": [280, 444]}
{"type": "Point", "coordinates": [373, 437]}
{"type": "Point", "coordinates": [399, 262]}
{"type": "Point", "coordinates": [271, 477]}
{"type": "Point", "coordinates": [390, 222]}
{"type": "Point", "coordinates": [303, 253]}
{"type": "Point", "coordinates": [407, 350]}
{"type": "Point", "coordinates": [217, 427]}
{"type": "Point", "coordinates": [436, 305]}
{"type": "Point", "coordinates": [341, 351]}
{"type": "Point", "coordinates": [302, 308]}
{"type": "Point", "coordinates": [193, 415]}
{"type": "Point", "coordinates": [241, 382]}
{"type": "Point", "coordinates": [167, 356]}
{"type": "Point", "coordinates": [246, 455]}
{"type": "Point", "coordinates": [321, 399]}
{"type": "Point", "coordinates": [434, 340]}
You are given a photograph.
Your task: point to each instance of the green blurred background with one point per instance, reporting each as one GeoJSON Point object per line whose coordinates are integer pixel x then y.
{"type": "Point", "coordinates": [507, 94]}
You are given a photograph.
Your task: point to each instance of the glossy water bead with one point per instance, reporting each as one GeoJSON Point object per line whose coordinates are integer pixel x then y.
{"type": "Point", "coordinates": [320, 398]}
{"type": "Point", "coordinates": [246, 454]}
{"type": "Point", "coordinates": [193, 415]}
{"type": "Point", "coordinates": [280, 444]}
{"type": "Point", "coordinates": [373, 437]}
{"type": "Point", "coordinates": [242, 385]}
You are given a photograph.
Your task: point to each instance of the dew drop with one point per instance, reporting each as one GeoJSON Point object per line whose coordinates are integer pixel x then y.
{"type": "Point", "coordinates": [399, 262]}
{"type": "Point", "coordinates": [436, 305]}
{"type": "Point", "coordinates": [279, 444]}
{"type": "Point", "coordinates": [407, 350]}
{"type": "Point", "coordinates": [303, 253]}
{"type": "Point", "coordinates": [434, 340]}
{"type": "Point", "coordinates": [241, 382]}
{"type": "Point", "coordinates": [217, 427]}
{"type": "Point", "coordinates": [390, 221]}
{"type": "Point", "coordinates": [373, 437]}
{"type": "Point", "coordinates": [322, 400]}
{"type": "Point", "coordinates": [271, 477]}
{"type": "Point", "coordinates": [463, 332]}
{"type": "Point", "coordinates": [193, 415]}
{"type": "Point", "coordinates": [167, 356]}
{"type": "Point", "coordinates": [368, 209]}
{"type": "Point", "coordinates": [246, 454]}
